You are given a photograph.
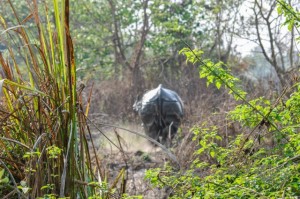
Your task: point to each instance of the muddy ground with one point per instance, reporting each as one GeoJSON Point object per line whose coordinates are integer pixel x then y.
{"type": "Point", "coordinates": [136, 155]}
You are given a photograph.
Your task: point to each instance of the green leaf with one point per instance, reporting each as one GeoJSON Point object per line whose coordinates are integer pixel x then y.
{"type": "Point", "coordinates": [1, 173]}
{"type": "Point", "coordinates": [291, 25]}
{"type": "Point", "coordinates": [212, 154]}
{"type": "Point", "coordinates": [4, 180]}
{"type": "Point", "coordinates": [279, 10]}
{"type": "Point", "coordinates": [218, 84]}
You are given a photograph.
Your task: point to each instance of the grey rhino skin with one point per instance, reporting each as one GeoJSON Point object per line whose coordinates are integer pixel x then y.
{"type": "Point", "coordinates": [161, 111]}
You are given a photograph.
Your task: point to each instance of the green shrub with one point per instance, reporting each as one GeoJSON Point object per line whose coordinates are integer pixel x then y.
{"type": "Point", "coordinates": [42, 118]}
{"type": "Point", "coordinates": [263, 161]}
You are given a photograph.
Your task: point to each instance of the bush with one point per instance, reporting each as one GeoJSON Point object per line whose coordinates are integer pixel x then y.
{"type": "Point", "coordinates": [262, 163]}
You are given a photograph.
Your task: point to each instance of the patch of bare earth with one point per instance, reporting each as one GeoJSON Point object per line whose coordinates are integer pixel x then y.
{"type": "Point", "coordinates": [135, 154]}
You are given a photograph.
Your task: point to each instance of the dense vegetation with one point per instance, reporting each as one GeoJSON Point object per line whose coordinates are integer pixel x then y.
{"type": "Point", "coordinates": [242, 143]}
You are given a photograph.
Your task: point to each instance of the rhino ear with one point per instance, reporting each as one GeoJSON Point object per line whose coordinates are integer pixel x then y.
{"type": "Point", "coordinates": [138, 97]}
{"type": "Point", "coordinates": [137, 103]}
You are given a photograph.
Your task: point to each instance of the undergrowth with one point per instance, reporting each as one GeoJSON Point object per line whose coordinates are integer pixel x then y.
{"type": "Point", "coordinates": [261, 161]}
{"type": "Point", "coordinates": [44, 151]}
{"type": "Point", "coordinates": [43, 125]}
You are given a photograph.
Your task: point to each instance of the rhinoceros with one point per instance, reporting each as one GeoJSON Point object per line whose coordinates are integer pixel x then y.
{"type": "Point", "coordinates": [161, 112]}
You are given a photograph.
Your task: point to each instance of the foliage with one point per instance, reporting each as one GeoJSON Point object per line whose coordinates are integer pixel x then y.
{"type": "Point", "coordinates": [292, 17]}
{"type": "Point", "coordinates": [93, 48]}
{"type": "Point", "coordinates": [3, 179]}
{"type": "Point", "coordinates": [4, 182]}
{"type": "Point", "coordinates": [43, 122]}
{"type": "Point", "coordinates": [172, 22]}
{"type": "Point", "coordinates": [96, 26]}
{"type": "Point", "coordinates": [249, 167]}
{"type": "Point", "coordinates": [262, 163]}
{"type": "Point", "coordinates": [214, 73]}
{"type": "Point", "coordinates": [107, 36]}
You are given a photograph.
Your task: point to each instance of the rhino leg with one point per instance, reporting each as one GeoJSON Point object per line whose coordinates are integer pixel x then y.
{"type": "Point", "coordinates": [153, 131]}
{"type": "Point", "coordinates": [168, 133]}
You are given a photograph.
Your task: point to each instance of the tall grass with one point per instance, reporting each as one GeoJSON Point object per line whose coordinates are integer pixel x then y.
{"type": "Point", "coordinates": [42, 120]}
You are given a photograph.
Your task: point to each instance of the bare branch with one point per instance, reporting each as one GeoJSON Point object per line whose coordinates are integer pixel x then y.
{"type": "Point", "coordinates": [118, 47]}
{"type": "Point", "coordinates": [145, 29]}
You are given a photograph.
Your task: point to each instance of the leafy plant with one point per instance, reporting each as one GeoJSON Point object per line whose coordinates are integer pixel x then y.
{"type": "Point", "coordinates": [292, 17]}
{"type": "Point", "coordinates": [43, 120]}
{"type": "Point", "coordinates": [4, 182]}
{"type": "Point", "coordinates": [262, 162]}
{"type": "Point", "coordinates": [214, 72]}
{"type": "Point", "coordinates": [3, 179]}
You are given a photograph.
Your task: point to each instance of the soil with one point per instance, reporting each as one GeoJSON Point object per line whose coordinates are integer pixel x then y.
{"type": "Point", "coordinates": [135, 154]}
